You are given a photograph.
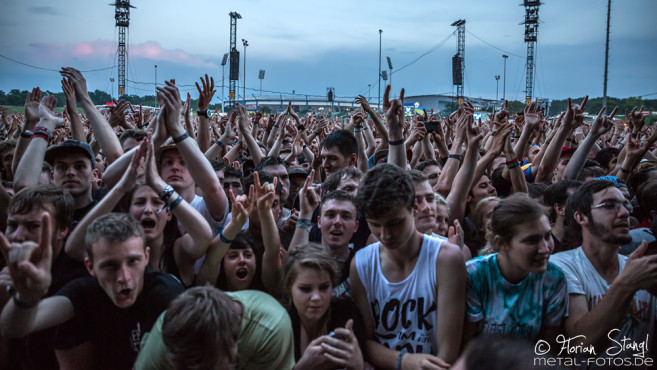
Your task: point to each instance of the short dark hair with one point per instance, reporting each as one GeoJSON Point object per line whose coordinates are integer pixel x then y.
{"type": "Point", "coordinates": [639, 177]}
{"type": "Point", "coordinates": [333, 180]}
{"type": "Point", "coordinates": [230, 171]}
{"type": "Point", "coordinates": [418, 176]}
{"type": "Point", "coordinates": [114, 228]}
{"type": "Point", "coordinates": [383, 188]}
{"type": "Point", "coordinates": [216, 164]}
{"type": "Point", "coordinates": [557, 193]}
{"type": "Point", "coordinates": [581, 201]}
{"type": "Point", "coordinates": [60, 201]}
{"type": "Point", "coordinates": [338, 195]}
{"type": "Point", "coordinates": [264, 177]}
{"type": "Point", "coordinates": [269, 161]}
{"type": "Point", "coordinates": [134, 133]}
{"type": "Point", "coordinates": [536, 190]}
{"type": "Point", "coordinates": [424, 164]}
{"type": "Point", "coordinates": [344, 140]}
{"type": "Point", "coordinates": [200, 327]}
{"type": "Point", "coordinates": [592, 171]}
{"type": "Point", "coordinates": [605, 155]}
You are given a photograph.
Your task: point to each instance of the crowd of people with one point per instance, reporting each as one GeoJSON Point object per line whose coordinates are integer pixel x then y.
{"type": "Point", "coordinates": [165, 241]}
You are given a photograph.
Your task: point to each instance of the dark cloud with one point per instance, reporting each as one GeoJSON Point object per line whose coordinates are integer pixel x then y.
{"type": "Point", "coordinates": [49, 10]}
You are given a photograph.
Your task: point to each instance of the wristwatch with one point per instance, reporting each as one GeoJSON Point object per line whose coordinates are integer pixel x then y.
{"type": "Point", "coordinates": [204, 113]}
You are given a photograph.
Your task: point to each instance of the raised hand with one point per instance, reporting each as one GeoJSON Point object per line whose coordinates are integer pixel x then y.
{"type": "Point", "coordinates": [265, 194]}
{"type": "Point", "coordinates": [309, 196]}
{"type": "Point", "coordinates": [243, 121]}
{"type": "Point", "coordinates": [117, 113]}
{"type": "Point", "coordinates": [533, 116]}
{"type": "Point", "coordinates": [364, 104]}
{"type": "Point", "coordinates": [342, 349]}
{"type": "Point", "coordinates": [151, 175]}
{"type": "Point", "coordinates": [206, 93]}
{"type": "Point", "coordinates": [171, 99]}
{"type": "Point", "coordinates": [455, 234]}
{"type": "Point", "coordinates": [636, 120]}
{"type": "Point", "coordinates": [394, 109]}
{"type": "Point", "coordinates": [574, 114]}
{"type": "Point", "coordinates": [32, 106]}
{"type": "Point", "coordinates": [47, 116]}
{"type": "Point", "coordinates": [129, 178]}
{"type": "Point", "coordinates": [29, 264]}
{"type": "Point", "coordinates": [241, 206]}
{"type": "Point", "coordinates": [77, 81]}
{"type": "Point", "coordinates": [503, 115]}
{"type": "Point", "coordinates": [602, 123]}
{"type": "Point", "coordinates": [69, 94]}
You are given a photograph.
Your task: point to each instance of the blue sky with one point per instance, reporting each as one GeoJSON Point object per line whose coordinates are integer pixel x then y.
{"type": "Point", "coordinates": [308, 46]}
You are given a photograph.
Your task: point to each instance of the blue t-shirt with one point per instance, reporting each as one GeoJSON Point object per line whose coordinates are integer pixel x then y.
{"type": "Point", "coordinates": [521, 310]}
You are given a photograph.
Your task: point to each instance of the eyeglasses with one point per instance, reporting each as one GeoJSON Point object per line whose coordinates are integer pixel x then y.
{"type": "Point", "coordinates": [614, 206]}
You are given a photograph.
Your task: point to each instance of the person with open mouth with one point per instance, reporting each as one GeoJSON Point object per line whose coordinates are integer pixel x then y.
{"type": "Point", "coordinates": [155, 204]}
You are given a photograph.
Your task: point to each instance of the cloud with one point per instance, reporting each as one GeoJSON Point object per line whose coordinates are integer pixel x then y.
{"type": "Point", "coordinates": [100, 50]}
{"type": "Point", "coordinates": [44, 10]}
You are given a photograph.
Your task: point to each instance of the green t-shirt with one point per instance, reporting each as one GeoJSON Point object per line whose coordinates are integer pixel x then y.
{"type": "Point", "coordinates": [266, 338]}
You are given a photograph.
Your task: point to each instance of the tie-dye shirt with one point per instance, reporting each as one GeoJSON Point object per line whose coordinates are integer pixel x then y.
{"type": "Point", "coordinates": [521, 310]}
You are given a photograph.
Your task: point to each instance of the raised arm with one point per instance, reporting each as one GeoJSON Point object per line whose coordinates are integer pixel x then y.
{"type": "Point", "coordinates": [272, 265]}
{"type": "Point", "coordinates": [199, 167]}
{"type": "Point", "coordinates": [77, 131]}
{"type": "Point", "coordinates": [451, 167]}
{"type": "Point", "coordinates": [29, 266]}
{"type": "Point", "coordinates": [29, 168]}
{"type": "Point", "coordinates": [395, 118]}
{"type": "Point", "coordinates": [211, 267]}
{"type": "Point", "coordinates": [308, 201]}
{"type": "Point", "coordinates": [31, 120]}
{"type": "Point", "coordinates": [601, 125]}
{"type": "Point", "coordinates": [456, 199]}
{"type": "Point", "coordinates": [533, 118]}
{"type": "Point", "coordinates": [247, 137]}
{"type": "Point", "coordinates": [205, 95]}
{"type": "Point", "coordinates": [102, 130]}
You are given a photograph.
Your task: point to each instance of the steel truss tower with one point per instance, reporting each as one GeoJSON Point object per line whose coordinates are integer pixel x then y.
{"type": "Point", "coordinates": [458, 61]}
{"type": "Point", "coordinates": [234, 74]}
{"type": "Point", "coordinates": [122, 17]}
{"type": "Point", "coordinates": [531, 35]}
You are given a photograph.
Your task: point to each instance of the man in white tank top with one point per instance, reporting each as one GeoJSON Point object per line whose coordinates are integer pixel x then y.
{"type": "Point", "coordinates": [409, 287]}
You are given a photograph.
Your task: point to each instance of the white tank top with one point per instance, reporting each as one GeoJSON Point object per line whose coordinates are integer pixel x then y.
{"type": "Point", "coordinates": [403, 313]}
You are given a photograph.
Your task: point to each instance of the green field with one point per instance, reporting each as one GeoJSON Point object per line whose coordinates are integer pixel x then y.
{"type": "Point", "coordinates": [21, 109]}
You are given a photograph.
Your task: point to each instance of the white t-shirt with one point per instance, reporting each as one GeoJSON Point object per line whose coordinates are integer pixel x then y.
{"type": "Point", "coordinates": [403, 313]}
{"type": "Point", "coordinates": [582, 278]}
{"type": "Point", "coordinates": [198, 203]}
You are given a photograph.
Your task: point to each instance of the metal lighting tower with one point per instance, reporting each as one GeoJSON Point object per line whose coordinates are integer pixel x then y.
{"type": "Point", "coordinates": [497, 86]}
{"type": "Point", "coordinates": [458, 61]}
{"type": "Point", "coordinates": [379, 103]}
{"type": "Point", "coordinates": [245, 43]}
{"type": "Point", "coordinates": [604, 92]}
{"type": "Point", "coordinates": [390, 69]}
{"type": "Point", "coordinates": [122, 17]}
{"type": "Point", "coordinates": [156, 86]}
{"type": "Point", "coordinates": [261, 76]}
{"type": "Point", "coordinates": [531, 34]}
{"type": "Point", "coordinates": [234, 72]}
{"type": "Point", "coordinates": [112, 92]}
{"type": "Point", "coordinates": [223, 71]}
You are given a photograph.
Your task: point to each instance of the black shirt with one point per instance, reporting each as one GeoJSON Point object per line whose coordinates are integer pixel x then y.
{"type": "Point", "coordinates": [115, 332]}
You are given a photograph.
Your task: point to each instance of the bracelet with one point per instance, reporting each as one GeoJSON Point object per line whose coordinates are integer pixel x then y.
{"type": "Point", "coordinates": [25, 135]}
{"type": "Point", "coordinates": [21, 304]}
{"type": "Point", "coordinates": [358, 127]}
{"type": "Point", "coordinates": [397, 142]}
{"type": "Point", "coordinates": [514, 160]}
{"type": "Point", "coordinates": [624, 170]}
{"type": "Point", "coordinates": [220, 143]}
{"type": "Point", "coordinates": [167, 193]}
{"type": "Point", "coordinates": [203, 113]}
{"type": "Point", "coordinates": [304, 223]}
{"type": "Point", "coordinates": [513, 165]}
{"type": "Point", "coordinates": [305, 146]}
{"type": "Point", "coordinates": [455, 156]}
{"type": "Point", "coordinates": [41, 135]}
{"type": "Point", "coordinates": [223, 238]}
{"type": "Point", "coordinates": [181, 138]}
{"type": "Point", "coordinates": [355, 131]}
{"type": "Point", "coordinates": [175, 203]}
{"type": "Point", "coordinates": [364, 127]}
{"type": "Point", "coordinates": [315, 132]}
{"type": "Point", "coordinates": [399, 359]}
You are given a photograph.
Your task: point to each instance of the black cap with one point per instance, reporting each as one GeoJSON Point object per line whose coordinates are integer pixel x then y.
{"type": "Point", "coordinates": [70, 146]}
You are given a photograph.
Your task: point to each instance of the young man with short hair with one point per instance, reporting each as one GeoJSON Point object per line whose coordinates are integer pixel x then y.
{"type": "Point", "coordinates": [338, 150]}
{"type": "Point", "coordinates": [611, 296]}
{"type": "Point", "coordinates": [409, 287]}
{"type": "Point", "coordinates": [115, 306]}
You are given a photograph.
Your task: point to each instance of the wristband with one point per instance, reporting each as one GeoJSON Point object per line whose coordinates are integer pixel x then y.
{"type": "Point", "coordinates": [514, 160]}
{"type": "Point", "coordinates": [223, 238]}
{"type": "Point", "coordinates": [21, 304]}
{"type": "Point", "coordinates": [181, 138]}
{"type": "Point", "coordinates": [513, 165]}
{"type": "Point", "coordinates": [220, 143]}
{"type": "Point", "coordinates": [396, 142]}
{"type": "Point", "coordinates": [25, 135]}
{"type": "Point", "coordinates": [624, 170]}
{"type": "Point", "coordinates": [399, 359]}
{"type": "Point", "coordinates": [455, 156]}
{"type": "Point", "coordinates": [305, 146]}
{"type": "Point", "coordinates": [203, 113]}
{"type": "Point", "coordinates": [175, 203]}
{"type": "Point", "coordinates": [355, 131]}
{"type": "Point", "coordinates": [364, 127]}
{"type": "Point", "coordinates": [166, 194]}
{"type": "Point", "coordinates": [304, 223]}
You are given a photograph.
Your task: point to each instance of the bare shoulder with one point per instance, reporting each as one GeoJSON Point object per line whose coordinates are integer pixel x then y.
{"type": "Point", "coordinates": [450, 255]}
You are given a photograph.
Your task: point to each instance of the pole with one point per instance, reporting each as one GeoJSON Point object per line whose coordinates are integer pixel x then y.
{"type": "Point", "coordinates": [261, 87]}
{"type": "Point", "coordinates": [112, 92]}
{"type": "Point", "coordinates": [379, 103]}
{"type": "Point", "coordinates": [604, 93]}
{"type": "Point", "coordinates": [223, 72]}
{"type": "Point", "coordinates": [156, 86]}
{"type": "Point", "coordinates": [245, 43]}
{"type": "Point", "coordinates": [497, 87]}
{"type": "Point", "coordinates": [369, 94]}
{"type": "Point", "coordinates": [504, 84]}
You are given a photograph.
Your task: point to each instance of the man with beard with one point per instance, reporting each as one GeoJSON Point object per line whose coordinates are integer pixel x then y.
{"type": "Point", "coordinates": [611, 297]}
